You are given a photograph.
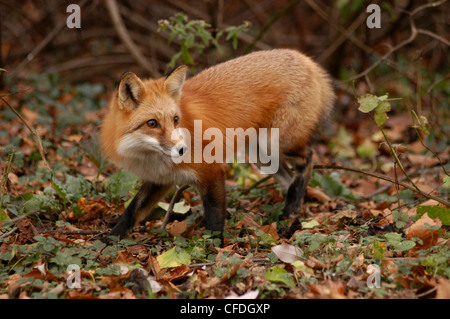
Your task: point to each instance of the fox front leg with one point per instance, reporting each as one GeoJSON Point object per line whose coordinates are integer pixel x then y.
{"type": "Point", "coordinates": [214, 204]}
{"type": "Point", "coordinates": [139, 208]}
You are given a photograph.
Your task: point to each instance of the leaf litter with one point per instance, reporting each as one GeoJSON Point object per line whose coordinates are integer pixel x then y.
{"type": "Point", "coordinates": [51, 222]}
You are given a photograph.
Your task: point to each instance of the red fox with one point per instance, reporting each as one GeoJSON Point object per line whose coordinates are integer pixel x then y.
{"type": "Point", "coordinates": [276, 89]}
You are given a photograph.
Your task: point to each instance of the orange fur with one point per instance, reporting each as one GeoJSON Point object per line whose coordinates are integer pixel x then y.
{"type": "Point", "coordinates": [280, 88]}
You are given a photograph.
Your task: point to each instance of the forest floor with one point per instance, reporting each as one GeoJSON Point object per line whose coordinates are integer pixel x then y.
{"type": "Point", "coordinates": [362, 237]}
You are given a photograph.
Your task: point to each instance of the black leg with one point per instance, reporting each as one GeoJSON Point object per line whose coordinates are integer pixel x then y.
{"type": "Point", "coordinates": [139, 208]}
{"type": "Point", "coordinates": [214, 204]}
{"type": "Point", "coordinates": [296, 191]}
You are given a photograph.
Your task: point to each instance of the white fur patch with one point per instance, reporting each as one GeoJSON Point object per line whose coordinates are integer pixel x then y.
{"type": "Point", "coordinates": [143, 156]}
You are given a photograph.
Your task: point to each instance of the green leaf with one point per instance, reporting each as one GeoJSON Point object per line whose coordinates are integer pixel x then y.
{"type": "Point", "coordinates": [332, 185]}
{"type": "Point", "coordinates": [436, 212]}
{"type": "Point", "coordinates": [380, 104]}
{"type": "Point", "coordinates": [119, 184]}
{"type": "Point", "coordinates": [366, 151]}
{"type": "Point", "coordinates": [404, 245]}
{"type": "Point", "coordinates": [3, 216]}
{"type": "Point", "coordinates": [310, 225]}
{"type": "Point", "coordinates": [173, 258]}
{"type": "Point", "coordinates": [179, 208]}
{"type": "Point", "coordinates": [380, 113]}
{"type": "Point", "coordinates": [60, 190]}
{"type": "Point", "coordinates": [77, 187]}
{"type": "Point", "coordinates": [300, 265]}
{"type": "Point", "coordinates": [281, 276]}
{"type": "Point", "coordinates": [446, 181]}
{"type": "Point", "coordinates": [367, 103]}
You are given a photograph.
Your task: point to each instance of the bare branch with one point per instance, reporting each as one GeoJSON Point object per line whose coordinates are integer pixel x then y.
{"type": "Point", "coordinates": [174, 200]}
{"type": "Point", "coordinates": [126, 39]}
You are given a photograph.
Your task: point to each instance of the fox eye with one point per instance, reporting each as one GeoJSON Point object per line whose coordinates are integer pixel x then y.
{"type": "Point", "coordinates": [152, 123]}
{"type": "Point", "coordinates": [176, 119]}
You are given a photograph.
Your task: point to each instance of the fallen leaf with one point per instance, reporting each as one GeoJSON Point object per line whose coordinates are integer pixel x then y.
{"type": "Point", "coordinates": [314, 263]}
{"type": "Point", "coordinates": [177, 228]}
{"type": "Point", "coordinates": [422, 160]}
{"type": "Point", "coordinates": [310, 225]}
{"type": "Point", "coordinates": [27, 230]}
{"type": "Point", "coordinates": [287, 253]}
{"type": "Point", "coordinates": [248, 221]}
{"type": "Point", "coordinates": [252, 294]}
{"type": "Point", "coordinates": [329, 289]}
{"type": "Point", "coordinates": [422, 229]}
{"type": "Point", "coordinates": [271, 230]}
{"type": "Point", "coordinates": [178, 273]}
{"type": "Point", "coordinates": [300, 266]}
{"type": "Point", "coordinates": [317, 194]}
{"type": "Point", "coordinates": [173, 258]}
{"type": "Point", "coordinates": [443, 288]}
{"type": "Point", "coordinates": [280, 275]}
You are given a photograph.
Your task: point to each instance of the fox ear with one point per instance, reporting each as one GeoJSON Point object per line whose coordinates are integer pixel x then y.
{"type": "Point", "coordinates": [174, 81]}
{"type": "Point", "coordinates": [131, 89]}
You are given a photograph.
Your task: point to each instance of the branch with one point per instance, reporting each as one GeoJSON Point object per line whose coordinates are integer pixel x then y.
{"type": "Point", "coordinates": [383, 177]}
{"type": "Point", "coordinates": [274, 19]}
{"type": "Point", "coordinates": [41, 45]}
{"type": "Point", "coordinates": [36, 136]}
{"type": "Point", "coordinates": [174, 200]}
{"type": "Point", "coordinates": [414, 32]}
{"type": "Point", "coordinates": [126, 39]}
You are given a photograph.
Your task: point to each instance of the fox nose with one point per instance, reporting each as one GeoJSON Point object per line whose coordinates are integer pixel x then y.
{"type": "Point", "coordinates": [182, 149]}
{"type": "Point", "coordinates": [179, 150]}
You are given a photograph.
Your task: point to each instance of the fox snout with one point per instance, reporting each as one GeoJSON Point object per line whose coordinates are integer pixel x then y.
{"type": "Point", "coordinates": [180, 147]}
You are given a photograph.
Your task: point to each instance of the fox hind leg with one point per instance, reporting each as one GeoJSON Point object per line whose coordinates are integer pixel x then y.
{"type": "Point", "coordinates": [302, 173]}
{"type": "Point", "coordinates": [283, 177]}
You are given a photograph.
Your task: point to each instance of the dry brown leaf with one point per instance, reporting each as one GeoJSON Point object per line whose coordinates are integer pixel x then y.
{"type": "Point", "coordinates": [153, 264]}
{"type": "Point", "coordinates": [176, 274]}
{"type": "Point", "coordinates": [329, 289]}
{"type": "Point", "coordinates": [422, 160]}
{"type": "Point", "coordinates": [27, 230]}
{"type": "Point", "coordinates": [124, 257]}
{"type": "Point", "coordinates": [271, 230]}
{"type": "Point", "coordinates": [314, 263]}
{"type": "Point", "coordinates": [317, 194]}
{"type": "Point", "coordinates": [443, 288]}
{"type": "Point", "coordinates": [177, 228]}
{"type": "Point", "coordinates": [421, 230]}
{"type": "Point", "coordinates": [248, 221]}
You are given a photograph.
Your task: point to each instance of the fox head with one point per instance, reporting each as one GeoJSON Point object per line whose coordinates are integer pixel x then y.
{"type": "Point", "coordinates": [144, 118]}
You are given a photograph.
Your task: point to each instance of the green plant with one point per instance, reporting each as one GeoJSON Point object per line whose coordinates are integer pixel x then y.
{"type": "Point", "coordinates": [196, 35]}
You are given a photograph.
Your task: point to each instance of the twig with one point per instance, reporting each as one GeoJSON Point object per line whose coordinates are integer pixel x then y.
{"type": "Point", "coordinates": [397, 160]}
{"type": "Point", "coordinates": [427, 5]}
{"type": "Point", "coordinates": [274, 19]}
{"type": "Point", "coordinates": [383, 177]}
{"type": "Point", "coordinates": [9, 233]}
{"type": "Point", "coordinates": [36, 136]}
{"type": "Point", "coordinates": [433, 35]}
{"type": "Point", "coordinates": [126, 39]}
{"type": "Point", "coordinates": [256, 184]}
{"type": "Point", "coordinates": [19, 218]}
{"type": "Point", "coordinates": [41, 45]}
{"type": "Point", "coordinates": [75, 232]}
{"type": "Point", "coordinates": [174, 200]}
{"type": "Point", "coordinates": [414, 32]}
